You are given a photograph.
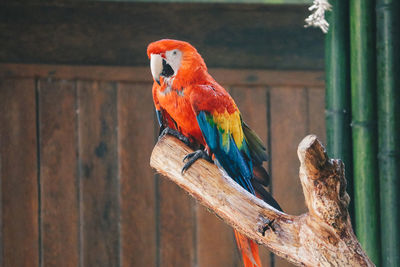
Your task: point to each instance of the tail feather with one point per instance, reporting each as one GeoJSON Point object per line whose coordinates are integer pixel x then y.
{"type": "Point", "coordinates": [249, 250]}
{"type": "Point", "coordinates": [261, 175]}
{"type": "Point", "coordinates": [264, 195]}
{"type": "Point", "coordinates": [257, 149]}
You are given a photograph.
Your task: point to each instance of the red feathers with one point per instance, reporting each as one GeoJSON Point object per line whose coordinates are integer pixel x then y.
{"type": "Point", "coordinates": [193, 70]}
{"type": "Point", "coordinates": [164, 45]}
{"type": "Point", "coordinates": [249, 250]}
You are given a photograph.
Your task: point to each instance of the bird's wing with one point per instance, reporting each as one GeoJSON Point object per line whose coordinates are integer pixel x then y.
{"type": "Point", "coordinates": [221, 125]}
{"type": "Point", "coordinates": [257, 149]}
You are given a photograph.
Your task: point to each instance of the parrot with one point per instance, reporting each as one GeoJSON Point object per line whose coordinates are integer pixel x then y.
{"type": "Point", "coordinates": [191, 106]}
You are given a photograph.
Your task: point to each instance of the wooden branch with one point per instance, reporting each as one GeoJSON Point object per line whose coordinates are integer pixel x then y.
{"type": "Point", "coordinates": [321, 237]}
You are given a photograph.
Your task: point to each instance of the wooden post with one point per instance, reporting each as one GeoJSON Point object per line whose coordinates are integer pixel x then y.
{"type": "Point", "coordinates": [321, 237]}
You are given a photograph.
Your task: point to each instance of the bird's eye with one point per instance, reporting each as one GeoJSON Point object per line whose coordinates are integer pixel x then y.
{"type": "Point", "coordinates": [174, 53]}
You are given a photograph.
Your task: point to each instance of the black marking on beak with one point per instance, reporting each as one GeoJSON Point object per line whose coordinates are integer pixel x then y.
{"type": "Point", "coordinates": [167, 69]}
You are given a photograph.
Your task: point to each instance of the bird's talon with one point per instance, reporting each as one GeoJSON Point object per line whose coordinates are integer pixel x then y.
{"type": "Point", "coordinates": [193, 157]}
{"type": "Point", "coordinates": [185, 158]}
{"type": "Point", "coordinates": [183, 170]}
{"type": "Point", "coordinates": [176, 134]}
{"type": "Point", "coordinates": [163, 133]}
{"type": "Point", "coordinates": [189, 156]}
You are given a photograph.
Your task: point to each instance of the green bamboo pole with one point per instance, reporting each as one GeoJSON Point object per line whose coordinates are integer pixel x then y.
{"type": "Point", "coordinates": [337, 92]}
{"type": "Point", "coordinates": [388, 78]}
{"type": "Point", "coordinates": [363, 108]}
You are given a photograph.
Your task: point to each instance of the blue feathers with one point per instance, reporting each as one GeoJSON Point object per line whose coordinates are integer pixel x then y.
{"type": "Point", "coordinates": [236, 162]}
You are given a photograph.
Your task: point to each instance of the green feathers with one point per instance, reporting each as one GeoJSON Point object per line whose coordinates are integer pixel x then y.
{"type": "Point", "coordinates": [256, 147]}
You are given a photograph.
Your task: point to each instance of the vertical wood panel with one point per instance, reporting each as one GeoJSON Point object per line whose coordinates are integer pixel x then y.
{"type": "Point", "coordinates": [316, 113]}
{"type": "Point", "coordinates": [216, 242]}
{"type": "Point", "coordinates": [99, 173]}
{"type": "Point", "coordinates": [289, 126]}
{"type": "Point", "coordinates": [82, 156]}
{"type": "Point", "coordinates": [19, 173]}
{"type": "Point", "coordinates": [138, 204]}
{"type": "Point", "coordinates": [252, 103]}
{"type": "Point", "coordinates": [58, 173]}
{"type": "Point", "coordinates": [177, 226]}
{"type": "Point", "coordinates": [1, 185]}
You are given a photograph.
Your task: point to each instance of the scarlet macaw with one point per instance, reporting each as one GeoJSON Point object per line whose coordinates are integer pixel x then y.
{"type": "Point", "coordinates": [193, 107]}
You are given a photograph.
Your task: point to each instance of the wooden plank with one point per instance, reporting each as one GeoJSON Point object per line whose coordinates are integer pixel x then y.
{"type": "Point", "coordinates": [289, 126]}
{"type": "Point", "coordinates": [58, 173]}
{"type": "Point", "coordinates": [1, 194]}
{"type": "Point", "coordinates": [138, 203]}
{"type": "Point", "coordinates": [252, 103]}
{"type": "Point", "coordinates": [19, 180]}
{"type": "Point", "coordinates": [99, 179]}
{"type": "Point", "coordinates": [90, 33]}
{"type": "Point", "coordinates": [268, 2]}
{"type": "Point", "coordinates": [142, 74]}
{"type": "Point", "coordinates": [252, 77]}
{"type": "Point", "coordinates": [316, 113]}
{"type": "Point", "coordinates": [215, 241]}
{"type": "Point", "coordinates": [177, 224]}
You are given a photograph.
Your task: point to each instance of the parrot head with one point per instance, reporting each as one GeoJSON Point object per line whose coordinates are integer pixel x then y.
{"type": "Point", "coordinates": [174, 61]}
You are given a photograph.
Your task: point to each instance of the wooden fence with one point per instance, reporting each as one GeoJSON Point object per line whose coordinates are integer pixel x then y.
{"type": "Point", "coordinates": [76, 187]}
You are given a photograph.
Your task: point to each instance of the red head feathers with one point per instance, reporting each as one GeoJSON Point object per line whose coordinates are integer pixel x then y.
{"type": "Point", "coordinates": [177, 59]}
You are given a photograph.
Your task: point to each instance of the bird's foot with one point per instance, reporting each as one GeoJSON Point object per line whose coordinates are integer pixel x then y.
{"type": "Point", "coordinates": [176, 134]}
{"type": "Point", "coordinates": [193, 157]}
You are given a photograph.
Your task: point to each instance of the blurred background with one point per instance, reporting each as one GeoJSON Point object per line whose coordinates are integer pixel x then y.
{"type": "Point", "coordinates": [78, 126]}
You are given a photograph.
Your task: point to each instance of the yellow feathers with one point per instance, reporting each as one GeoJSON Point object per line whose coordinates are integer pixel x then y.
{"type": "Point", "coordinates": [229, 124]}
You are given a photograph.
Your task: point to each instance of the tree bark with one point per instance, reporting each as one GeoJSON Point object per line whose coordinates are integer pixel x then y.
{"type": "Point", "coordinates": [321, 237]}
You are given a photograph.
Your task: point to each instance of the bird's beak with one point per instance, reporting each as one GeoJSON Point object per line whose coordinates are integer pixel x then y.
{"type": "Point", "coordinates": [156, 67]}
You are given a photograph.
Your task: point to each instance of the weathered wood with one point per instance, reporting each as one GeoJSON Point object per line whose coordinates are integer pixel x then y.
{"type": "Point", "coordinates": [321, 237]}
{"type": "Point", "coordinates": [138, 197]}
{"type": "Point", "coordinates": [316, 109]}
{"type": "Point", "coordinates": [177, 217]}
{"type": "Point", "coordinates": [288, 123]}
{"type": "Point", "coordinates": [98, 167]}
{"type": "Point", "coordinates": [142, 74]}
{"type": "Point", "coordinates": [106, 33]}
{"type": "Point", "coordinates": [19, 173]}
{"type": "Point", "coordinates": [58, 173]}
{"type": "Point", "coordinates": [215, 241]}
